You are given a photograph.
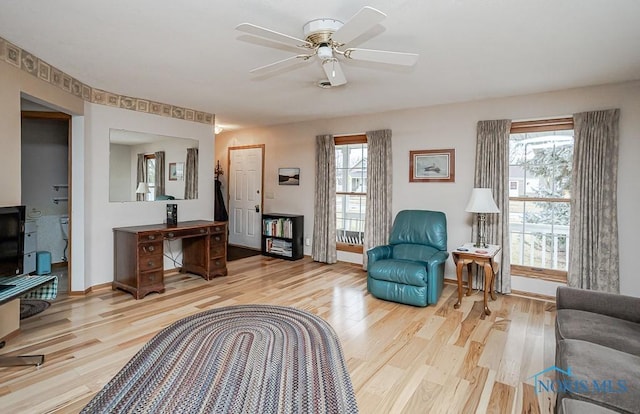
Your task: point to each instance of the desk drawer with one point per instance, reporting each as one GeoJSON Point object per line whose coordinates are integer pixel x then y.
{"type": "Point", "coordinates": [172, 234]}
{"type": "Point", "coordinates": [149, 249]}
{"type": "Point", "coordinates": [151, 278]}
{"type": "Point", "coordinates": [217, 264]}
{"type": "Point", "coordinates": [151, 262]}
{"type": "Point", "coordinates": [216, 250]}
{"type": "Point", "coordinates": [217, 239]}
{"type": "Point", "coordinates": [145, 237]}
{"type": "Point", "coordinates": [220, 228]}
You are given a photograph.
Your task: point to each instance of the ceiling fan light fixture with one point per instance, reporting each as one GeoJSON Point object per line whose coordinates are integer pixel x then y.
{"type": "Point", "coordinates": [325, 52]}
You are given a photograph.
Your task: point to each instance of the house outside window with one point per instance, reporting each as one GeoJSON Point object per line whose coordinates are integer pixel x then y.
{"type": "Point", "coordinates": [351, 191]}
{"type": "Point", "coordinates": [150, 173]}
{"type": "Point", "coordinates": [540, 164]}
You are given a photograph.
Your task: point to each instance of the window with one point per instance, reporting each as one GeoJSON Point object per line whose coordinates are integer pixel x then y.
{"type": "Point", "coordinates": [351, 191]}
{"type": "Point", "coordinates": [540, 163]}
{"type": "Point", "coordinates": [150, 173]}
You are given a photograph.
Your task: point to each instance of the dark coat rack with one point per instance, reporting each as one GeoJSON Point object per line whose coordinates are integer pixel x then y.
{"type": "Point", "coordinates": [220, 211]}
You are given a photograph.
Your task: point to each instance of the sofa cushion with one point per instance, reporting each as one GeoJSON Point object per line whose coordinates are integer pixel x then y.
{"type": "Point", "coordinates": [600, 329]}
{"type": "Point", "coordinates": [399, 271]}
{"type": "Point", "coordinates": [592, 367]}
{"type": "Point", "coordinates": [569, 406]}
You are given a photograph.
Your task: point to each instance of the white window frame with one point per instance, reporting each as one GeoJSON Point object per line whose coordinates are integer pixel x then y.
{"type": "Point", "coordinates": [545, 125]}
{"type": "Point", "coordinates": [345, 140]}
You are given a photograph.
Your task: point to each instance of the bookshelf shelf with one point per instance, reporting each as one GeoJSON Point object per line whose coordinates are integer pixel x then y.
{"type": "Point", "coordinates": [282, 236]}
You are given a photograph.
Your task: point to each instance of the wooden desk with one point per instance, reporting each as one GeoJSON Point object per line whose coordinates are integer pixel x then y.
{"type": "Point", "coordinates": [139, 253]}
{"type": "Point", "coordinates": [488, 258]}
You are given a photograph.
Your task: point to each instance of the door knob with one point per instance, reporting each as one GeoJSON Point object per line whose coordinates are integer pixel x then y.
{"type": "Point", "coordinates": [257, 208]}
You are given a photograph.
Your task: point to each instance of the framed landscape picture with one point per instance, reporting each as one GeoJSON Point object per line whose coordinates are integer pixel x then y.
{"type": "Point", "coordinates": [432, 165]}
{"type": "Point", "coordinates": [289, 176]}
{"type": "Point", "coordinates": [176, 171]}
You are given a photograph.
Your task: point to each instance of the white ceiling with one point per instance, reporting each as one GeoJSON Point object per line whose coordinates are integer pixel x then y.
{"type": "Point", "coordinates": [187, 52]}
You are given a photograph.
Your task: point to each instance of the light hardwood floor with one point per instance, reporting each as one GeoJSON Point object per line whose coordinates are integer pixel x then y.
{"type": "Point", "coordinates": [402, 359]}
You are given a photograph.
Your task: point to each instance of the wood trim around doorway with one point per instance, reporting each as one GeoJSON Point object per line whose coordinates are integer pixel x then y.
{"type": "Point", "coordinates": [61, 116]}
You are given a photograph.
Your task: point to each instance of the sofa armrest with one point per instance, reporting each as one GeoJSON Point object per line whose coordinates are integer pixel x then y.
{"type": "Point", "coordinates": [604, 303]}
{"type": "Point", "coordinates": [378, 253]}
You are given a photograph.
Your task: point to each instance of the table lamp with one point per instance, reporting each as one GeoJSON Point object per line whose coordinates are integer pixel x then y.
{"type": "Point", "coordinates": [142, 189]}
{"type": "Point", "coordinates": [481, 203]}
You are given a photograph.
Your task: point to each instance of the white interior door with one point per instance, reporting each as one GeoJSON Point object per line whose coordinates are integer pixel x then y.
{"type": "Point", "coordinates": [245, 196]}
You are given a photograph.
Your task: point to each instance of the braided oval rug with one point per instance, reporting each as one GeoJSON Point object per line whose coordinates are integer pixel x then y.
{"type": "Point", "coordinates": [236, 359]}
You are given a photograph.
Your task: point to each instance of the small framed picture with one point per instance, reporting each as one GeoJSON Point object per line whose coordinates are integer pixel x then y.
{"type": "Point", "coordinates": [432, 166]}
{"type": "Point", "coordinates": [289, 176]}
{"type": "Point", "coordinates": [176, 171]}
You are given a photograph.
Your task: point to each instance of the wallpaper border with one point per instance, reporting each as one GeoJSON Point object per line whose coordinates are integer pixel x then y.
{"type": "Point", "coordinates": [33, 65]}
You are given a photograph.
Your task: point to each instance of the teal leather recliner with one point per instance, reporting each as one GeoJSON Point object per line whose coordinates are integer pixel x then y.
{"type": "Point", "coordinates": [410, 269]}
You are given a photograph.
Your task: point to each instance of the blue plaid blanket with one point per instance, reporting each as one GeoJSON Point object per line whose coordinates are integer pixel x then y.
{"type": "Point", "coordinates": [30, 287]}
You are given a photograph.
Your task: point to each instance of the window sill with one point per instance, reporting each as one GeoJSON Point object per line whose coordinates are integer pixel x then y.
{"type": "Point", "coordinates": [353, 248]}
{"type": "Point", "coordinates": [539, 273]}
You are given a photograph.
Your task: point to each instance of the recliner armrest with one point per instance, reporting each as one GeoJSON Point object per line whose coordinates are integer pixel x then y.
{"type": "Point", "coordinates": [378, 253]}
{"type": "Point", "coordinates": [439, 257]}
{"type": "Point", "coordinates": [604, 303]}
{"type": "Point", "coordinates": [436, 260]}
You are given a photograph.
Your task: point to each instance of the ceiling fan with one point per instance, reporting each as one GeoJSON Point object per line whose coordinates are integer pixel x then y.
{"type": "Point", "coordinates": [326, 39]}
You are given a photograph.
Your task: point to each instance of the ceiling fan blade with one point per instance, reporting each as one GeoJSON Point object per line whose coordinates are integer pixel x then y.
{"type": "Point", "coordinates": [382, 56]}
{"type": "Point", "coordinates": [334, 72]}
{"type": "Point", "coordinates": [279, 64]}
{"type": "Point", "coordinates": [252, 29]}
{"type": "Point", "coordinates": [362, 21]}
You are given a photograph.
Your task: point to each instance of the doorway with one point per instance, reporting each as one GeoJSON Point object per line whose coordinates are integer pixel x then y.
{"type": "Point", "coordinates": [246, 167]}
{"type": "Point", "coordinates": [45, 187]}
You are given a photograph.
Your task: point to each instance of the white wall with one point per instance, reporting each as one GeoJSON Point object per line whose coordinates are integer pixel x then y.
{"type": "Point", "coordinates": [121, 185]}
{"type": "Point", "coordinates": [79, 277]}
{"type": "Point", "coordinates": [101, 215]}
{"type": "Point", "coordinates": [451, 126]}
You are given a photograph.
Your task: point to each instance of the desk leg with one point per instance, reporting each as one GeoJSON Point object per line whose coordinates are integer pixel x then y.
{"type": "Point", "coordinates": [488, 281]}
{"type": "Point", "coordinates": [459, 267]}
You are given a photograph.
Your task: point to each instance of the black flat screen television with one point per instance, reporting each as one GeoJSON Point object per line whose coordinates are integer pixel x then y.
{"type": "Point", "coordinates": [11, 240]}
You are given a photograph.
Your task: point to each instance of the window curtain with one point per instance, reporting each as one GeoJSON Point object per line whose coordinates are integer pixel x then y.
{"type": "Point", "coordinates": [492, 171]}
{"type": "Point", "coordinates": [191, 174]}
{"type": "Point", "coordinates": [160, 174]}
{"type": "Point", "coordinates": [378, 215]}
{"type": "Point", "coordinates": [593, 247]}
{"type": "Point", "coordinates": [324, 206]}
{"type": "Point", "coordinates": [140, 178]}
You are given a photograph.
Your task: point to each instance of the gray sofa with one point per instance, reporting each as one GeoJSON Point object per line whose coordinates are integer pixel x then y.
{"type": "Point", "coordinates": [597, 352]}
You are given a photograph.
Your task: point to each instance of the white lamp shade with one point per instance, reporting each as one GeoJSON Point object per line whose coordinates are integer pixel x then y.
{"type": "Point", "coordinates": [481, 201]}
{"type": "Point", "coordinates": [142, 188]}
